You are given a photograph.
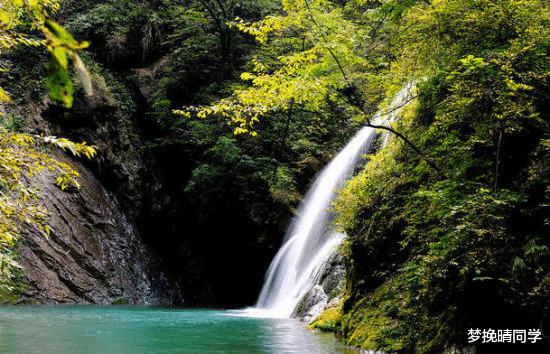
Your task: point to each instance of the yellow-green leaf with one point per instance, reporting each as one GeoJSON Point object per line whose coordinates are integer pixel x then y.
{"type": "Point", "coordinates": [58, 80]}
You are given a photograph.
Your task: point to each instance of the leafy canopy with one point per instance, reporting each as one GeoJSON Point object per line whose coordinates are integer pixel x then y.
{"type": "Point", "coordinates": [305, 52]}
{"type": "Point", "coordinates": [14, 14]}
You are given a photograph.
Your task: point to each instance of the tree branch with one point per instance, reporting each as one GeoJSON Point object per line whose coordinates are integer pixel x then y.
{"type": "Point", "coordinates": [287, 125]}
{"type": "Point", "coordinates": [357, 100]}
{"type": "Point", "coordinates": [426, 158]}
{"type": "Point", "coordinates": [328, 48]}
{"type": "Point", "coordinates": [497, 158]}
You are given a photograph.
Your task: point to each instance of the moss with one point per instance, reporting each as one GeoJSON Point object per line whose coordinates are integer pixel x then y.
{"type": "Point", "coordinates": [327, 320]}
{"type": "Point", "coordinates": [12, 297]}
{"type": "Point", "coordinates": [373, 324]}
{"type": "Point", "coordinates": [121, 301]}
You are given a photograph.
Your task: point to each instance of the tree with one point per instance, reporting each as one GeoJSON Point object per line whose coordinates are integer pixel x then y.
{"type": "Point", "coordinates": [295, 69]}
{"type": "Point", "coordinates": [19, 153]}
{"type": "Point", "coordinates": [59, 42]}
{"type": "Point", "coordinates": [316, 60]}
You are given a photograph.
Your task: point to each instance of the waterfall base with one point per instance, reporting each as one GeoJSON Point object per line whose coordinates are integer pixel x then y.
{"type": "Point", "coordinates": [325, 291]}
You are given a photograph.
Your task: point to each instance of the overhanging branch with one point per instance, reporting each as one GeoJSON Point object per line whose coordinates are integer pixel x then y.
{"type": "Point", "coordinates": [357, 100]}
{"type": "Point", "coordinates": [426, 158]}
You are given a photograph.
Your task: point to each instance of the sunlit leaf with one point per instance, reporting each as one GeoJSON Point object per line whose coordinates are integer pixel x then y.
{"type": "Point", "coordinates": [59, 83]}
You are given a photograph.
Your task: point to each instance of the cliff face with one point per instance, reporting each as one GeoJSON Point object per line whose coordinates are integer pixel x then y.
{"type": "Point", "coordinates": [138, 220]}
{"type": "Point", "coordinates": [93, 254]}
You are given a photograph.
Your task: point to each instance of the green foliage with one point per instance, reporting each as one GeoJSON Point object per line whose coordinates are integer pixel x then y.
{"type": "Point", "coordinates": [121, 301]}
{"type": "Point", "coordinates": [14, 122]}
{"type": "Point", "coordinates": [11, 275]}
{"type": "Point", "coordinates": [62, 45]}
{"type": "Point", "coordinates": [19, 156]}
{"type": "Point", "coordinates": [283, 187]}
{"type": "Point", "coordinates": [59, 81]}
{"type": "Point", "coordinates": [22, 155]}
{"type": "Point", "coordinates": [59, 42]}
{"type": "Point", "coordinates": [115, 91]}
{"type": "Point", "coordinates": [108, 18]}
{"type": "Point", "coordinates": [438, 238]}
{"type": "Point", "coordinates": [300, 66]}
{"type": "Point", "coordinates": [226, 167]}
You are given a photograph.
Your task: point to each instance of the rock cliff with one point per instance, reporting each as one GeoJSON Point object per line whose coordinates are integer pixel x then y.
{"type": "Point", "coordinates": [92, 255]}
{"type": "Point", "coordinates": [95, 253]}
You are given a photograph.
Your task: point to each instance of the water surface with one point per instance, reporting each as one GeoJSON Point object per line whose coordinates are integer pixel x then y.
{"type": "Point", "coordinates": [113, 329]}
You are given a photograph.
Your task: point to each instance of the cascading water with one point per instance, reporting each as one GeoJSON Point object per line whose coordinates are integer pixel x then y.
{"type": "Point", "coordinates": [310, 241]}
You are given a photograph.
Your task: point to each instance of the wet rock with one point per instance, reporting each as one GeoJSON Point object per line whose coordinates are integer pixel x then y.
{"type": "Point", "coordinates": [96, 252]}
{"type": "Point", "coordinates": [93, 255]}
{"type": "Point", "coordinates": [327, 287]}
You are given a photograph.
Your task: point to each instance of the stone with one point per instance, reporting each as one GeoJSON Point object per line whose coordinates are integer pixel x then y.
{"type": "Point", "coordinates": [93, 255]}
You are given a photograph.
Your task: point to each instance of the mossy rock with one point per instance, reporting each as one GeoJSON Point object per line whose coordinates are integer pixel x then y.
{"type": "Point", "coordinates": [330, 318]}
{"type": "Point", "coordinates": [373, 323]}
{"type": "Point", "coordinates": [326, 320]}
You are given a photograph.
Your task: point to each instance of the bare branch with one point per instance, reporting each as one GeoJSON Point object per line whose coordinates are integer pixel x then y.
{"type": "Point", "coordinates": [426, 158]}
{"type": "Point", "coordinates": [497, 158]}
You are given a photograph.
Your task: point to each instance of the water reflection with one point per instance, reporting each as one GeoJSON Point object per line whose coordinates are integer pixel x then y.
{"type": "Point", "coordinates": [153, 330]}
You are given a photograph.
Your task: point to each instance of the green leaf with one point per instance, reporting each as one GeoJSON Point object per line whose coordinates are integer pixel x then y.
{"type": "Point", "coordinates": [59, 82]}
{"type": "Point", "coordinates": [482, 278]}
{"type": "Point", "coordinates": [60, 55]}
{"type": "Point", "coordinates": [64, 37]}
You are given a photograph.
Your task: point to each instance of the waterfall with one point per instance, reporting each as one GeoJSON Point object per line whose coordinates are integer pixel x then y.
{"type": "Point", "coordinates": [310, 240]}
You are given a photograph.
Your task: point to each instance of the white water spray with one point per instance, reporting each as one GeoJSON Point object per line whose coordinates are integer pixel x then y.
{"type": "Point", "coordinates": [310, 241]}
